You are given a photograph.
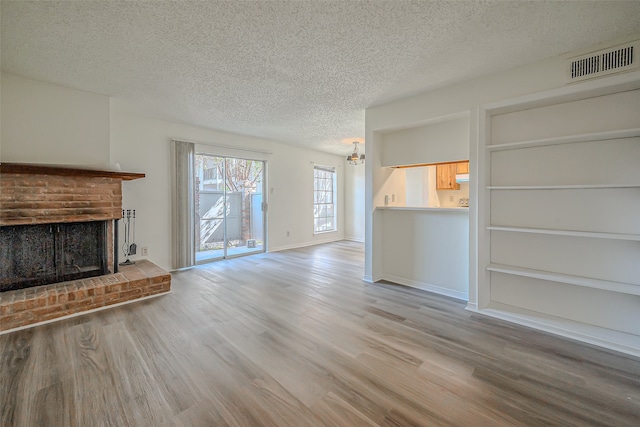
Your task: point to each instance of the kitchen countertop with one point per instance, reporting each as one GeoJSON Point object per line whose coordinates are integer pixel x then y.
{"type": "Point", "coordinates": [422, 208]}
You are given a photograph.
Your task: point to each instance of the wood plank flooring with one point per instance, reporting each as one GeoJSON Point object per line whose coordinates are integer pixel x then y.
{"type": "Point", "coordinates": [295, 338]}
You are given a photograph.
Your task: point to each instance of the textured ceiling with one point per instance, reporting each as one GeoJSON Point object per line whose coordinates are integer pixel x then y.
{"type": "Point", "coordinates": [301, 72]}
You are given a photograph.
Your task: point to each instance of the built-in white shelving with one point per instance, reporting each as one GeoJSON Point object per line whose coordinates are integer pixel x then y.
{"type": "Point", "coordinates": [593, 234]}
{"type": "Point", "coordinates": [626, 288]}
{"type": "Point", "coordinates": [559, 196]}
{"type": "Point", "coordinates": [595, 136]}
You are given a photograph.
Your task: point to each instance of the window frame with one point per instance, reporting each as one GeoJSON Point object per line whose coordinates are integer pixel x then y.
{"type": "Point", "coordinates": [328, 205]}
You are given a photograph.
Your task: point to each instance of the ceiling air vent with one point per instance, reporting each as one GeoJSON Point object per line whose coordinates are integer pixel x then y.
{"type": "Point", "coordinates": [604, 62]}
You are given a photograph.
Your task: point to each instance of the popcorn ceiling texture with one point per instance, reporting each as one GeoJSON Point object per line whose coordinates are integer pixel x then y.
{"type": "Point", "coordinates": [300, 72]}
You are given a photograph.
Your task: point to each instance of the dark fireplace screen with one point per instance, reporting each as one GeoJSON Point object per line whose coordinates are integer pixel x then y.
{"type": "Point", "coordinates": [33, 255]}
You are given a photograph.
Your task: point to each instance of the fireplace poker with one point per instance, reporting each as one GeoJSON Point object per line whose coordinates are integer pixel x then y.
{"type": "Point", "coordinates": [126, 248]}
{"type": "Point", "coordinates": [133, 247]}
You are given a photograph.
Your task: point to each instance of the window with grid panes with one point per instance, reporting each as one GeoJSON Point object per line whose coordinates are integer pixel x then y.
{"type": "Point", "coordinates": [324, 199]}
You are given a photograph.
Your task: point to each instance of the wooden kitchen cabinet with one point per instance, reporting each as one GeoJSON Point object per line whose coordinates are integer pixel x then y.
{"type": "Point", "coordinates": [463, 167]}
{"type": "Point", "coordinates": [446, 177]}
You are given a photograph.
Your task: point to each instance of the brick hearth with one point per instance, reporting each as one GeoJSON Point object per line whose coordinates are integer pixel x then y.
{"type": "Point", "coordinates": [43, 303]}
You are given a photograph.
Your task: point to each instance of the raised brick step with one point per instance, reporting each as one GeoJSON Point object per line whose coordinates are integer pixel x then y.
{"type": "Point", "coordinates": [24, 307]}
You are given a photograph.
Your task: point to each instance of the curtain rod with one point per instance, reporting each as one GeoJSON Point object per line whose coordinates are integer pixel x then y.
{"type": "Point", "coordinates": [230, 147]}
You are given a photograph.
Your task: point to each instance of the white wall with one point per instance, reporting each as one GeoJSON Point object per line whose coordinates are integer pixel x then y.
{"type": "Point", "coordinates": [141, 144]}
{"type": "Point", "coordinates": [425, 249]}
{"type": "Point", "coordinates": [417, 186]}
{"type": "Point", "coordinates": [443, 141]}
{"type": "Point", "coordinates": [451, 101]}
{"type": "Point", "coordinates": [47, 123]}
{"type": "Point", "coordinates": [451, 198]}
{"type": "Point", "coordinates": [527, 83]}
{"type": "Point", "coordinates": [393, 188]}
{"type": "Point", "coordinates": [354, 202]}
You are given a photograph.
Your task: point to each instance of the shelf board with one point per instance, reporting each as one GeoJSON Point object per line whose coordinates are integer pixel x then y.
{"type": "Point", "coordinates": [625, 288]}
{"type": "Point", "coordinates": [595, 136]}
{"type": "Point", "coordinates": [560, 187]}
{"type": "Point", "coordinates": [592, 234]}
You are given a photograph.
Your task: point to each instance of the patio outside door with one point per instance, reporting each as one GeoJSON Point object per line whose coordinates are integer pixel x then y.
{"type": "Point", "coordinates": [228, 206]}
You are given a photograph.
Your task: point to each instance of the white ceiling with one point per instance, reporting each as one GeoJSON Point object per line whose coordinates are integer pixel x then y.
{"type": "Point", "coordinates": [301, 72]}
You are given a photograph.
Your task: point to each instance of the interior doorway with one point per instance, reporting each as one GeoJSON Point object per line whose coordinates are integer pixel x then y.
{"type": "Point", "coordinates": [229, 210]}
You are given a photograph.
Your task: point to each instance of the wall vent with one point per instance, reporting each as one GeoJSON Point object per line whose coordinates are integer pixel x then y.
{"type": "Point", "coordinates": [604, 62]}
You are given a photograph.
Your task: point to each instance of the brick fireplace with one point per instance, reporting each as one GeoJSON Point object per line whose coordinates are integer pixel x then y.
{"type": "Point", "coordinates": [51, 257]}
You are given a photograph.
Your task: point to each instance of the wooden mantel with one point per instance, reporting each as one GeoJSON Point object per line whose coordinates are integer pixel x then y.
{"type": "Point", "coordinates": [65, 170]}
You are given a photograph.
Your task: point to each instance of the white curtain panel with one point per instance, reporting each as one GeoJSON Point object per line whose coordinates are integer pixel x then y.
{"type": "Point", "coordinates": [182, 200]}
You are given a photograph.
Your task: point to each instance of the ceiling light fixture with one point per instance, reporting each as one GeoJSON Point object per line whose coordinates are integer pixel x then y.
{"type": "Point", "coordinates": [355, 158]}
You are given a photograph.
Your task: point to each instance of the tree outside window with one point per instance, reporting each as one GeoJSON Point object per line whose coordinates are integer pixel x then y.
{"type": "Point", "coordinates": [324, 196]}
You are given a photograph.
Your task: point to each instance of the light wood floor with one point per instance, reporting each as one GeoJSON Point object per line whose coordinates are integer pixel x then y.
{"type": "Point", "coordinates": [296, 338]}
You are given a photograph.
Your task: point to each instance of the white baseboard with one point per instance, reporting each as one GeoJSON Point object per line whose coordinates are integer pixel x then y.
{"type": "Point", "coordinates": [427, 287]}
{"type": "Point", "coordinates": [304, 244]}
{"type": "Point", "coordinates": [82, 313]}
{"type": "Point", "coordinates": [368, 279]}
{"type": "Point", "coordinates": [355, 239]}
{"type": "Point", "coordinates": [471, 306]}
{"type": "Point", "coordinates": [602, 337]}
{"type": "Point", "coordinates": [175, 270]}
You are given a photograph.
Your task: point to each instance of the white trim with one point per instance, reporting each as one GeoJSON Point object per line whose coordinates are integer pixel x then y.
{"type": "Point", "coordinates": [424, 122]}
{"type": "Point", "coordinates": [334, 194]}
{"type": "Point", "coordinates": [472, 307]}
{"type": "Point", "coordinates": [427, 287]}
{"type": "Point", "coordinates": [82, 313]}
{"type": "Point", "coordinates": [303, 245]}
{"type": "Point", "coordinates": [421, 208]}
{"type": "Point", "coordinates": [589, 89]}
{"type": "Point", "coordinates": [318, 233]}
{"type": "Point", "coordinates": [474, 188]}
{"type": "Point", "coordinates": [602, 337]}
{"type": "Point", "coordinates": [483, 208]}
{"type": "Point", "coordinates": [561, 187]}
{"type": "Point", "coordinates": [354, 239]}
{"type": "Point", "coordinates": [174, 270]}
{"type": "Point", "coordinates": [592, 234]}
{"type": "Point", "coordinates": [607, 285]}
{"type": "Point", "coordinates": [367, 278]}
{"type": "Point", "coordinates": [586, 137]}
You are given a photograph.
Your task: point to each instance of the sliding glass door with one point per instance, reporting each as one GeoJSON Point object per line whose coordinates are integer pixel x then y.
{"type": "Point", "coordinates": [230, 220]}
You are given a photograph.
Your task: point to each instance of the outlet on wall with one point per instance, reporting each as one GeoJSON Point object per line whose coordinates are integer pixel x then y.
{"type": "Point", "coordinates": [144, 251]}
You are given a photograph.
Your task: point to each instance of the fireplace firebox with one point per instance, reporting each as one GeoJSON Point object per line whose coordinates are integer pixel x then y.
{"type": "Point", "coordinates": [39, 254]}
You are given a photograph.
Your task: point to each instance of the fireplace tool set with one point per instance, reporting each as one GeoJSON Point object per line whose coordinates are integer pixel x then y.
{"type": "Point", "coordinates": [129, 247]}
